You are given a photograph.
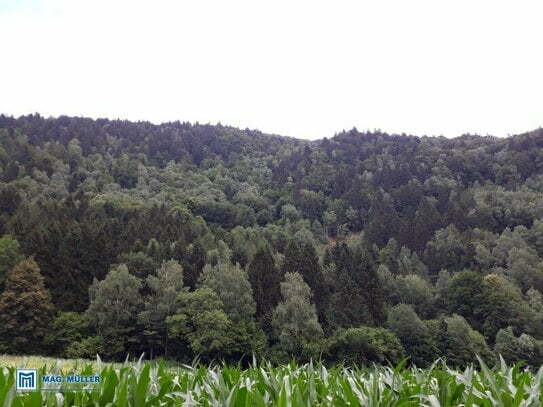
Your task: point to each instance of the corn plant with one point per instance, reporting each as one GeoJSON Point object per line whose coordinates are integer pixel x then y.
{"type": "Point", "coordinates": [263, 384]}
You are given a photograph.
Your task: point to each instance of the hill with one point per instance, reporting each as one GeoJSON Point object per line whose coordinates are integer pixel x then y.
{"type": "Point", "coordinates": [434, 238]}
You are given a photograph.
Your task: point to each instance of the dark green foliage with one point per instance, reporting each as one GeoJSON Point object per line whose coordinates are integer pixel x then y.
{"type": "Point", "coordinates": [302, 258]}
{"type": "Point", "coordinates": [66, 329]}
{"type": "Point", "coordinates": [264, 278]}
{"type": "Point", "coordinates": [413, 334]}
{"type": "Point", "coordinates": [25, 308]}
{"type": "Point", "coordinates": [464, 294]}
{"type": "Point", "coordinates": [369, 220]}
{"type": "Point", "coordinates": [366, 345]}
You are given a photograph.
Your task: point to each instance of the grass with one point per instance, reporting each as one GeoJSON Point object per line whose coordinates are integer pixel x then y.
{"type": "Point", "coordinates": [148, 384]}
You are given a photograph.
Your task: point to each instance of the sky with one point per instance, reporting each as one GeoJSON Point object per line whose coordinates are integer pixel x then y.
{"type": "Point", "coordinates": [306, 69]}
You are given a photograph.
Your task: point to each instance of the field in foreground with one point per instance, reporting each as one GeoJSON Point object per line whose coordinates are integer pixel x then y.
{"type": "Point", "coordinates": [149, 384]}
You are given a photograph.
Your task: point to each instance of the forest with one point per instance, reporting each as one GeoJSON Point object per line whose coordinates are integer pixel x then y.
{"type": "Point", "coordinates": [185, 241]}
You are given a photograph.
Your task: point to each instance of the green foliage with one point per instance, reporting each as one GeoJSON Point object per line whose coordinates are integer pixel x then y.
{"type": "Point", "coordinates": [464, 294]}
{"type": "Point", "coordinates": [290, 384]}
{"type": "Point", "coordinates": [161, 304]}
{"type": "Point", "coordinates": [9, 256]}
{"type": "Point", "coordinates": [365, 345]}
{"type": "Point", "coordinates": [413, 334]}
{"type": "Point", "coordinates": [233, 288]}
{"type": "Point", "coordinates": [66, 329]}
{"type": "Point", "coordinates": [502, 305]}
{"type": "Point", "coordinates": [87, 348]}
{"type": "Point", "coordinates": [265, 279]}
{"type": "Point", "coordinates": [25, 308]}
{"type": "Point", "coordinates": [461, 342]}
{"type": "Point", "coordinates": [369, 220]}
{"type": "Point", "coordinates": [523, 348]}
{"type": "Point", "coordinates": [295, 318]}
{"type": "Point", "coordinates": [200, 320]}
{"type": "Point", "coordinates": [114, 306]}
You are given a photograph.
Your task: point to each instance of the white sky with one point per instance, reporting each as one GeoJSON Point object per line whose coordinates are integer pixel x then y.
{"type": "Point", "coordinates": [300, 68]}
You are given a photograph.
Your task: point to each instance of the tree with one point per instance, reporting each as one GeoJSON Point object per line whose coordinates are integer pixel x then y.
{"type": "Point", "coordinates": [463, 343]}
{"type": "Point", "coordinates": [202, 323]}
{"type": "Point", "coordinates": [347, 307]}
{"type": "Point", "coordinates": [265, 279]}
{"type": "Point", "coordinates": [365, 345]}
{"type": "Point", "coordinates": [501, 305]}
{"type": "Point", "coordinates": [302, 258]}
{"type": "Point", "coordinates": [114, 306]}
{"type": "Point", "coordinates": [233, 288]}
{"type": "Point", "coordinates": [295, 318]}
{"type": "Point", "coordinates": [25, 308]}
{"type": "Point", "coordinates": [139, 264]}
{"type": "Point", "coordinates": [160, 304]}
{"type": "Point", "coordinates": [9, 256]}
{"type": "Point", "coordinates": [66, 329]}
{"type": "Point", "coordinates": [371, 290]}
{"type": "Point", "coordinates": [416, 291]}
{"type": "Point", "coordinates": [463, 296]}
{"type": "Point", "coordinates": [193, 267]}
{"type": "Point", "coordinates": [413, 334]}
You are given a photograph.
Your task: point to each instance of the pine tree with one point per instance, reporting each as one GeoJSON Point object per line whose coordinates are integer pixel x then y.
{"type": "Point", "coordinates": [265, 279]}
{"type": "Point", "coordinates": [25, 308]}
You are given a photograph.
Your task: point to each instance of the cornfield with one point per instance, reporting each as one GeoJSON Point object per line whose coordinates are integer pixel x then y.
{"type": "Point", "coordinates": [311, 384]}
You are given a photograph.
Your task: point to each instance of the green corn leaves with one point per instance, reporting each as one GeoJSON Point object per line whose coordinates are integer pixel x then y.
{"type": "Point", "coordinates": [155, 384]}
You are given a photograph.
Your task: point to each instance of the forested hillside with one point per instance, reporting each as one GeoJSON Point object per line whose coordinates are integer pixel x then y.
{"type": "Point", "coordinates": [184, 239]}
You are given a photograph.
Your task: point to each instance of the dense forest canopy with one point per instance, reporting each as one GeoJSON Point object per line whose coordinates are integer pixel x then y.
{"type": "Point", "coordinates": [186, 239]}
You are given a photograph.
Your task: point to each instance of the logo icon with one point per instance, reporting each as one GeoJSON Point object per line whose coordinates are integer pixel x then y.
{"type": "Point", "coordinates": [26, 379]}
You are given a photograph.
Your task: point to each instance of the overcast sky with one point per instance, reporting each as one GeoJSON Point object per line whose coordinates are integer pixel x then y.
{"type": "Point", "coordinates": [300, 68]}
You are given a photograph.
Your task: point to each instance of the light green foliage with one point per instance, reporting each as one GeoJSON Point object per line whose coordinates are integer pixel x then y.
{"type": "Point", "coordinates": [233, 288]}
{"type": "Point", "coordinates": [114, 306]}
{"type": "Point", "coordinates": [463, 342]}
{"type": "Point", "coordinates": [295, 318]}
{"type": "Point", "coordinates": [160, 304]}
{"type": "Point", "coordinates": [9, 256]}
{"type": "Point", "coordinates": [412, 289]}
{"type": "Point", "coordinates": [501, 305]}
{"type": "Point", "coordinates": [202, 322]}
{"type": "Point", "coordinates": [523, 348]}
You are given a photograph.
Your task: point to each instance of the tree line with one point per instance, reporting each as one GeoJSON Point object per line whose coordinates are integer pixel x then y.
{"type": "Point", "coordinates": [181, 240]}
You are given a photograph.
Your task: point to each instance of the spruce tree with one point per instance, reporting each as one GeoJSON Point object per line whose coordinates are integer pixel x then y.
{"type": "Point", "coordinates": [25, 308]}
{"type": "Point", "coordinates": [265, 279]}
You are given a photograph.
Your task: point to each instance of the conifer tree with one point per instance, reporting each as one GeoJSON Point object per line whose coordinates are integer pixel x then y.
{"type": "Point", "coordinates": [265, 279]}
{"type": "Point", "coordinates": [25, 308]}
